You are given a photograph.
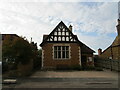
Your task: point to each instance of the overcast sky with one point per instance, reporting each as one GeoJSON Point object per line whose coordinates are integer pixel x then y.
{"type": "Point", "coordinates": [93, 22]}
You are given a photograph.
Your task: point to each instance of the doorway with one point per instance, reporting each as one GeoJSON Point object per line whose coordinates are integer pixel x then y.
{"type": "Point", "coordinates": [84, 61]}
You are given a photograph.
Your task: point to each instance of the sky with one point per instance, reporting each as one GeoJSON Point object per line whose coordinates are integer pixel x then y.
{"type": "Point", "coordinates": [93, 22]}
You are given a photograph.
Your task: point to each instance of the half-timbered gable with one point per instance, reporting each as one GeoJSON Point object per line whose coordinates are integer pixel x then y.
{"type": "Point", "coordinates": [62, 48]}
{"type": "Point", "coordinates": [60, 34]}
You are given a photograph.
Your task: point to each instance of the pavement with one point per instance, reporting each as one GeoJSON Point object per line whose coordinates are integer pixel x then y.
{"type": "Point", "coordinates": [68, 79]}
{"type": "Point", "coordinates": [75, 74]}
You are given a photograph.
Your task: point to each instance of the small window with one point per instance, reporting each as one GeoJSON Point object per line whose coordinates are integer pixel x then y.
{"type": "Point", "coordinates": [55, 33]}
{"type": "Point", "coordinates": [67, 38]}
{"type": "Point", "coordinates": [67, 33]}
{"type": "Point", "coordinates": [59, 38]}
{"type": "Point", "coordinates": [61, 52]}
{"type": "Point", "coordinates": [63, 29]}
{"type": "Point", "coordinates": [51, 39]}
{"type": "Point", "coordinates": [63, 33]}
{"type": "Point", "coordinates": [55, 38]}
{"type": "Point", "coordinates": [58, 29]}
{"type": "Point", "coordinates": [59, 33]}
{"type": "Point", "coordinates": [90, 58]}
{"type": "Point", "coordinates": [63, 38]}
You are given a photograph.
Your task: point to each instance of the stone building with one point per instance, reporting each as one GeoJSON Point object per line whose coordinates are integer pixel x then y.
{"type": "Point", "coordinates": [61, 48]}
{"type": "Point", "coordinates": [113, 51]}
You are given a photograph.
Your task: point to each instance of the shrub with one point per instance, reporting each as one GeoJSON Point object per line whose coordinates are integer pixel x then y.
{"type": "Point", "coordinates": [99, 69]}
{"type": "Point", "coordinates": [76, 67]}
{"type": "Point", "coordinates": [63, 67]}
{"type": "Point", "coordinates": [66, 67]}
{"type": "Point", "coordinates": [88, 68]}
{"type": "Point", "coordinates": [13, 73]}
{"type": "Point", "coordinates": [4, 67]}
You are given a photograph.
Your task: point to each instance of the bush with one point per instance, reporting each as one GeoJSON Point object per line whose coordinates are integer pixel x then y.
{"type": "Point", "coordinates": [4, 67]}
{"type": "Point", "coordinates": [62, 67]}
{"type": "Point", "coordinates": [13, 73]}
{"type": "Point", "coordinates": [66, 67]}
{"type": "Point", "coordinates": [76, 67]}
{"type": "Point", "coordinates": [99, 69]}
{"type": "Point", "coordinates": [88, 68]}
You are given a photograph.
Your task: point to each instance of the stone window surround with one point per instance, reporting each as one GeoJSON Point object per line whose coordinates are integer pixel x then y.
{"type": "Point", "coordinates": [61, 58]}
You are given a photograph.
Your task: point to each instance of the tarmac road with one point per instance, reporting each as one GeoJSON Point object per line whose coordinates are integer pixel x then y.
{"type": "Point", "coordinates": [65, 83]}
{"type": "Point", "coordinates": [81, 79]}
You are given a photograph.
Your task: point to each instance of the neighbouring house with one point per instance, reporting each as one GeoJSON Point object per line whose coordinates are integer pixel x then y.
{"type": "Point", "coordinates": [11, 36]}
{"type": "Point", "coordinates": [61, 48]}
{"type": "Point", "coordinates": [113, 51]}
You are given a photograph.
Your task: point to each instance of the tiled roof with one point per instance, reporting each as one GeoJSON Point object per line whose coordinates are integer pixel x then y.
{"type": "Point", "coordinates": [11, 35]}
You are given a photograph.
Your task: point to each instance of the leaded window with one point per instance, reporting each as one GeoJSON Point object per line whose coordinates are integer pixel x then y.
{"type": "Point", "coordinates": [61, 52]}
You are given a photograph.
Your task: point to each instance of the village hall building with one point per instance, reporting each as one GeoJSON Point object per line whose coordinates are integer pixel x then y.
{"type": "Point", "coordinates": [61, 48]}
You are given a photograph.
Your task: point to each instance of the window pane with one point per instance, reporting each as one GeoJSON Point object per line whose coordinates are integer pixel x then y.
{"type": "Point", "coordinates": [67, 47]}
{"type": "Point", "coordinates": [67, 33]}
{"type": "Point", "coordinates": [67, 38]}
{"type": "Point", "coordinates": [63, 48]}
{"type": "Point", "coordinates": [55, 33]}
{"type": "Point", "coordinates": [55, 48]}
{"type": "Point", "coordinates": [59, 47]}
{"type": "Point", "coordinates": [59, 39]}
{"type": "Point", "coordinates": [58, 29]}
{"type": "Point", "coordinates": [63, 54]}
{"type": "Point", "coordinates": [63, 33]}
{"type": "Point", "coordinates": [90, 58]}
{"type": "Point", "coordinates": [59, 54]}
{"type": "Point", "coordinates": [63, 38]}
{"type": "Point", "coordinates": [51, 39]}
{"type": "Point", "coordinates": [59, 33]}
{"type": "Point", "coordinates": [55, 38]}
{"type": "Point", "coordinates": [67, 54]}
{"type": "Point", "coordinates": [71, 39]}
{"type": "Point", "coordinates": [55, 54]}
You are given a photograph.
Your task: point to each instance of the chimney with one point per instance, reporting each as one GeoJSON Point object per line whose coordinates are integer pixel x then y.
{"type": "Point", "coordinates": [70, 28]}
{"type": "Point", "coordinates": [118, 27]}
{"type": "Point", "coordinates": [31, 39]}
{"type": "Point", "coordinates": [99, 51]}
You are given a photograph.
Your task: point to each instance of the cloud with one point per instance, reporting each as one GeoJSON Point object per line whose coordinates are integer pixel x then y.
{"type": "Point", "coordinates": [33, 19]}
{"type": "Point", "coordinates": [95, 42]}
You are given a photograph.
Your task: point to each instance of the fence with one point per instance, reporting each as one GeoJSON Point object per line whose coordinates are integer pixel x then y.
{"type": "Point", "coordinates": [108, 64]}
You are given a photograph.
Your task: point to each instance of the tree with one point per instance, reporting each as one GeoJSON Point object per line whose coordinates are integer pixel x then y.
{"type": "Point", "coordinates": [23, 50]}
{"type": "Point", "coordinates": [7, 49]}
{"type": "Point", "coordinates": [16, 50]}
{"type": "Point", "coordinates": [40, 53]}
{"type": "Point", "coordinates": [36, 56]}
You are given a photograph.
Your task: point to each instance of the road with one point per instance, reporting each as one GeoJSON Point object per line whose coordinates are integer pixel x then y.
{"type": "Point", "coordinates": [75, 80]}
